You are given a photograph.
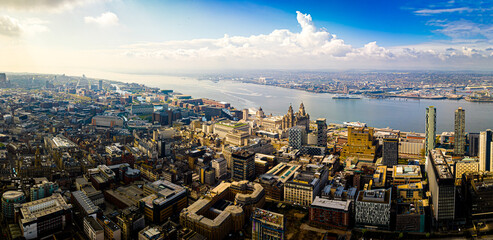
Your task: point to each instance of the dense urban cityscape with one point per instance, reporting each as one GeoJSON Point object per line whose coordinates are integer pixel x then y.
{"type": "Point", "coordinates": [470, 86]}
{"type": "Point", "coordinates": [85, 158]}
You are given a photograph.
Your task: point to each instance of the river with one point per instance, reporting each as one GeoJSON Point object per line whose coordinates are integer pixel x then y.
{"type": "Point", "coordinates": [402, 114]}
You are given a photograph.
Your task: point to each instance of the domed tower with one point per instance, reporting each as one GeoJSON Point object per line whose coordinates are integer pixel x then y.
{"type": "Point", "coordinates": [260, 113]}
{"type": "Point", "coordinates": [302, 110]}
{"type": "Point", "coordinates": [288, 120]}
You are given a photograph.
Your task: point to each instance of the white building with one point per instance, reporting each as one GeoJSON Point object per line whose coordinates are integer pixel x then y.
{"type": "Point", "coordinates": [93, 229]}
{"type": "Point", "coordinates": [220, 166]}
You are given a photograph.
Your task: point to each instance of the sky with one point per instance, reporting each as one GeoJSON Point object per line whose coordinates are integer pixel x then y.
{"type": "Point", "coordinates": [183, 36]}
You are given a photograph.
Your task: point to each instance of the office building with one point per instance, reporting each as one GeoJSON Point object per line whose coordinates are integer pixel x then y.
{"type": "Point", "coordinates": [306, 185]}
{"type": "Point", "coordinates": [9, 199]}
{"type": "Point", "coordinates": [83, 205]}
{"type": "Point", "coordinates": [331, 213]}
{"type": "Point", "coordinates": [485, 160]}
{"type": "Point", "coordinates": [410, 192]}
{"type": "Point", "coordinates": [100, 85]}
{"type": "Point", "coordinates": [131, 220]}
{"type": "Point", "coordinates": [167, 231]}
{"type": "Point", "coordinates": [411, 147]}
{"type": "Point", "coordinates": [93, 229]}
{"type": "Point", "coordinates": [274, 180]}
{"type": "Point", "coordinates": [466, 165]}
{"type": "Point", "coordinates": [224, 209]}
{"type": "Point", "coordinates": [477, 188]}
{"type": "Point", "coordinates": [261, 166]}
{"type": "Point", "coordinates": [107, 121]}
{"type": "Point", "coordinates": [42, 190]}
{"type": "Point", "coordinates": [460, 132]}
{"type": "Point", "coordinates": [44, 217]}
{"type": "Point", "coordinates": [142, 109]}
{"type": "Point", "coordinates": [165, 203]}
{"type": "Point", "coordinates": [442, 187]}
{"type": "Point", "coordinates": [243, 165]}
{"type": "Point", "coordinates": [267, 225]}
{"type": "Point", "coordinates": [361, 144]}
{"type": "Point", "coordinates": [430, 128]}
{"type": "Point", "coordinates": [473, 148]}
{"type": "Point", "coordinates": [404, 174]}
{"type": "Point", "coordinates": [410, 216]}
{"type": "Point", "coordinates": [111, 230]}
{"type": "Point", "coordinates": [207, 175]}
{"type": "Point", "coordinates": [297, 137]}
{"type": "Point", "coordinates": [321, 132]}
{"type": "Point", "coordinates": [226, 127]}
{"type": "Point", "coordinates": [220, 166]}
{"type": "Point", "coordinates": [372, 208]}
{"type": "Point", "coordinates": [237, 138]}
{"type": "Point", "coordinates": [390, 150]}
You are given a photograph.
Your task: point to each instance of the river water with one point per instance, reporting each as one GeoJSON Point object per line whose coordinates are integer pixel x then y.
{"type": "Point", "coordinates": [402, 114]}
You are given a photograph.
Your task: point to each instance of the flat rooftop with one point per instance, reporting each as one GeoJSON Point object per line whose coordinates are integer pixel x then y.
{"type": "Point", "coordinates": [31, 211]}
{"type": "Point", "coordinates": [62, 142]}
{"type": "Point", "coordinates": [333, 204]}
{"type": "Point", "coordinates": [85, 202]}
{"type": "Point", "coordinates": [407, 171]}
{"type": "Point", "coordinates": [268, 217]}
{"type": "Point", "coordinates": [441, 167]}
{"type": "Point", "coordinates": [375, 196]}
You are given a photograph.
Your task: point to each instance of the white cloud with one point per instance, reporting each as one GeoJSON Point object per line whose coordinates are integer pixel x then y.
{"type": "Point", "coordinates": [443, 10]}
{"type": "Point", "coordinates": [45, 5]}
{"type": "Point", "coordinates": [464, 29]}
{"type": "Point", "coordinates": [311, 48]}
{"type": "Point", "coordinates": [9, 26]}
{"type": "Point", "coordinates": [106, 19]}
{"type": "Point", "coordinates": [12, 27]}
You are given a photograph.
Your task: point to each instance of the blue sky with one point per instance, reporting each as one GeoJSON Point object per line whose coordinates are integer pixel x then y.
{"type": "Point", "coordinates": [166, 36]}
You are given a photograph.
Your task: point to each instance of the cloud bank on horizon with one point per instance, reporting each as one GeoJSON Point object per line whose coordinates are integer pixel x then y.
{"type": "Point", "coordinates": [311, 48]}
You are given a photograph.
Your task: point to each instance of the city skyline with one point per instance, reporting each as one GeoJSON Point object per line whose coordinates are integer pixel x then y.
{"type": "Point", "coordinates": [77, 37]}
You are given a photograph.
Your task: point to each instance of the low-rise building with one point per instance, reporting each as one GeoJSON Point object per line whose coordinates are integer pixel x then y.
{"type": "Point", "coordinates": [411, 216]}
{"type": "Point", "coordinates": [274, 180]}
{"type": "Point", "coordinates": [306, 185]}
{"type": "Point", "coordinates": [410, 192]}
{"type": "Point", "coordinates": [404, 174]}
{"type": "Point", "coordinates": [331, 213]}
{"type": "Point", "coordinates": [93, 229]}
{"type": "Point", "coordinates": [267, 225]}
{"type": "Point", "coordinates": [224, 209]}
{"type": "Point", "coordinates": [142, 109]}
{"type": "Point", "coordinates": [44, 217]}
{"type": "Point", "coordinates": [131, 220]}
{"type": "Point", "coordinates": [168, 201]}
{"type": "Point", "coordinates": [111, 230]}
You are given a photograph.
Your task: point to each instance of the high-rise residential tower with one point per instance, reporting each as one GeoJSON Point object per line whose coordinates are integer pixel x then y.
{"type": "Point", "coordinates": [430, 128]}
{"type": "Point", "coordinates": [485, 141]}
{"type": "Point", "coordinates": [321, 132]}
{"type": "Point", "coordinates": [460, 132]}
{"type": "Point", "coordinates": [473, 149]}
{"type": "Point", "coordinates": [243, 166]}
{"type": "Point", "coordinates": [390, 150]}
